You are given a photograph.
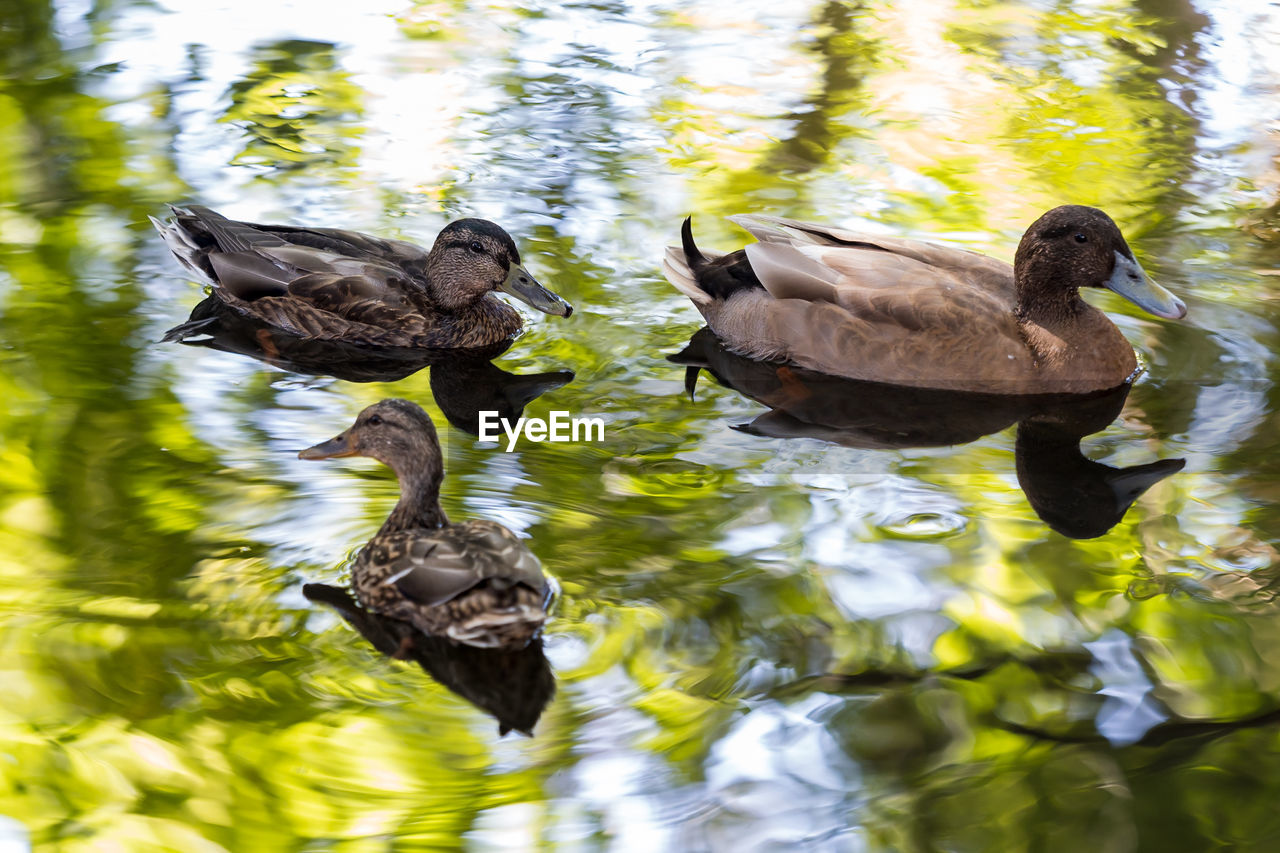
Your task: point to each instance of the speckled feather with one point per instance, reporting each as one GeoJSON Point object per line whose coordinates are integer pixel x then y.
{"type": "Point", "coordinates": [458, 580]}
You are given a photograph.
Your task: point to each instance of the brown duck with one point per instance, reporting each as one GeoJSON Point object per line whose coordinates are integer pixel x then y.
{"type": "Point", "coordinates": [907, 312]}
{"type": "Point", "coordinates": [331, 285]}
{"type": "Point", "coordinates": [474, 582]}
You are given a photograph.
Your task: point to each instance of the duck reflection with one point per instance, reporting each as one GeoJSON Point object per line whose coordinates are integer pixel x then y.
{"type": "Point", "coordinates": [1072, 494]}
{"type": "Point", "coordinates": [465, 387]}
{"type": "Point", "coordinates": [216, 326]}
{"type": "Point", "coordinates": [513, 686]}
{"type": "Point", "coordinates": [463, 383]}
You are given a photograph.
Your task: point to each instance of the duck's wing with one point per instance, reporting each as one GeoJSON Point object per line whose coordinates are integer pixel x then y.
{"type": "Point", "coordinates": [251, 260]}
{"type": "Point", "coordinates": [890, 283]}
{"type": "Point", "coordinates": [802, 258]}
{"type": "Point", "coordinates": [432, 567]}
{"type": "Point", "coordinates": [351, 244]}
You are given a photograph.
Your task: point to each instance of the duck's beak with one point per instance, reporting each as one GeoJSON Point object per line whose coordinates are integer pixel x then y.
{"type": "Point", "coordinates": [339, 445]}
{"type": "Point", "coordinates": [1128, 484]}
{"type": "Point", "coordinates": [1132, 282]}
{"type": "Point", "coordinates": [522, 285]}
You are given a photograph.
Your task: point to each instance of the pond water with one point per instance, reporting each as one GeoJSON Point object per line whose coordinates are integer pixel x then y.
{"type": "Point", "coordinates": [763, 639]}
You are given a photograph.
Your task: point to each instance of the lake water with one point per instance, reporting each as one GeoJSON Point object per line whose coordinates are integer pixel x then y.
{"type": "Point", "coordinates": [778, 637]}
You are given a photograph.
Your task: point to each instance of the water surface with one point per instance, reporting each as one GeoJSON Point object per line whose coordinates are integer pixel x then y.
{"type": "Point", "coordinates": [760, 642]}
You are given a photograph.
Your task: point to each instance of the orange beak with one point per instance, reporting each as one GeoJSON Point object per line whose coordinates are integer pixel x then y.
{"type": "Point", "coordinates": [339, 445]}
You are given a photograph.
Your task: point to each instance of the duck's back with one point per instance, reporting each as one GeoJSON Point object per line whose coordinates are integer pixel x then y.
{"type": "Point", "coordinates": [475, 582]}
{"type": "Point", "coordinates": [251, 259]}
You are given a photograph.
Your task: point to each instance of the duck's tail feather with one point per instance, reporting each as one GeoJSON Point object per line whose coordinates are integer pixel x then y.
{"type": "Point", "coordinates": [680, 265]}
{"type": "Point", "coordinates": [677, 271]}
{"type": "Point", "coordinates": [229, 235]}
{"type": "Point", "coordinates": [189, 329]}
{"type": "Point", "coordinates": [197, 235]}
{"type": "Point", "coordinates": [184, 245]}
{"type": "Point", "coordinates": [706, 276]}
{"type": "Point", "coordinates": [691, 252]}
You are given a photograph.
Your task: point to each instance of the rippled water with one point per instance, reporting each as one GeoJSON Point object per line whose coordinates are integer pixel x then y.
{"type": "Point", "coordinates": [766, 637]}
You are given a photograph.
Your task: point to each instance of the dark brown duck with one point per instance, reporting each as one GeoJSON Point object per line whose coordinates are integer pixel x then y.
{"type": "Point", "coordinates": [473, 582]}
{"type": "Point", "coordinates": [330, 285]}
{"type": "Point", "coordinates": [907, 312]}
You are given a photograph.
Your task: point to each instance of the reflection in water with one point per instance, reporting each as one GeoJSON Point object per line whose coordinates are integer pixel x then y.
{"type": "Point", "coordinates": [465, 387]}
{"type": "Point", "coordinates": [1071, 493]}
{"type": "Point", "coordinates": [215, 325]}
{"type": "Point", "coordinates": [1075, 496]}
{"type": "Point", "coordinates": [512, 685]}
{"type": "Point", "coordinates": [298, 108]}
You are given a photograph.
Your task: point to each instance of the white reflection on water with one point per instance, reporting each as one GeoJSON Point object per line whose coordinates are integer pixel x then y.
{"type": "Point", "coordinates": [13, 836]}
{"type": "Point", "coordinates": [774, 759]}
{"type": "Point", "coordinates": [1129, 711]}
{"type": "Point", "coordinates": [1245, 50]}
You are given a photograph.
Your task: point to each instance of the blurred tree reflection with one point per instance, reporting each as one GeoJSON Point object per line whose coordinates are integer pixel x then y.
{"type": "Point", "coordinates": [298, 108]}
{"type": "Point", "coordinates": [167, 687]}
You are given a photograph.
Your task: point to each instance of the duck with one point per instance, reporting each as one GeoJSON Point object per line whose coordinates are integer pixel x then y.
{"type": "Point", "coordinates": [473, 582]}
{"type": "Point", "coordinates": [913, 313]}
{"type": "Point", "coordinates": [328, 284]}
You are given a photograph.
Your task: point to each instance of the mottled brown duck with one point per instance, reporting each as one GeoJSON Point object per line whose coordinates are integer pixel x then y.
{"type": "Point", "coordinates": [331, 285]}
{"type": "Point", "coordinates": [473, 582]}
{"type": "Point", "coordinates": [908, 312]}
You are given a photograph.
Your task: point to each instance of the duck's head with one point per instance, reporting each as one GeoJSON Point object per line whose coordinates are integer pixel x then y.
{"type": "Point", "coordinates": [473, 257]}
{"type": "Point", "coordinates": [398, 433]}
{"type": "Point", "coordinates": [1074, 246]}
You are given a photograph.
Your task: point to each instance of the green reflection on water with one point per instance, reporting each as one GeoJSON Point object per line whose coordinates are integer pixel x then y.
{"type": "Point", "coordinates": [167, 686]}
{"type": "Point", "coordinates": [298, 109]}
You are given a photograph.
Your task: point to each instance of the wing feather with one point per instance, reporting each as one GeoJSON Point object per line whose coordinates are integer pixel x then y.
{"type": "Point", "coordinates": [874, 249]}
{"type": "Point", "coordinates": [432, 567]}
{"type": "Point", "coordinates": [788, 273]}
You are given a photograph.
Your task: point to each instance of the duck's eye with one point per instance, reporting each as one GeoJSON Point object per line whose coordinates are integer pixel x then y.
{"type": "Point", "coordinates": [374, 420]}
{"type": "Point", "coordinates": [476, 247]}
{"type": "Point", "coordinates": [1080, 238]}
